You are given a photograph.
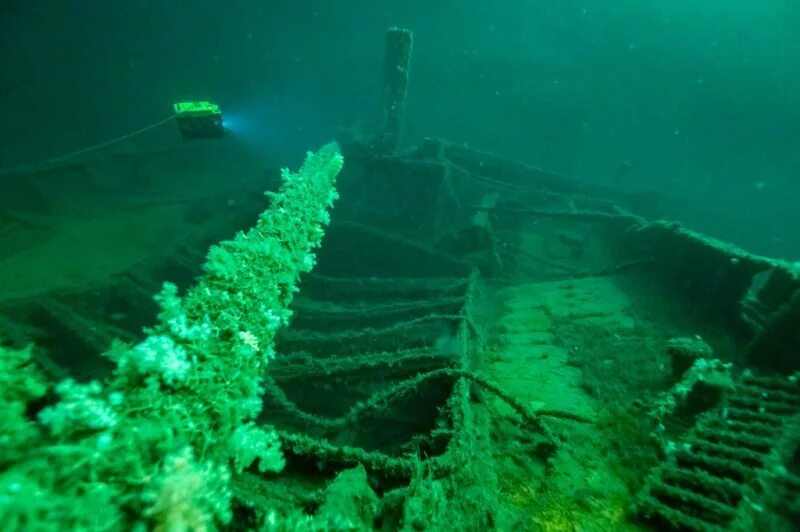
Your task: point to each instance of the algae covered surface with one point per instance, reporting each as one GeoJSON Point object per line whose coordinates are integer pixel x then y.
{"type": "Point", "coordinates": [325, 374]}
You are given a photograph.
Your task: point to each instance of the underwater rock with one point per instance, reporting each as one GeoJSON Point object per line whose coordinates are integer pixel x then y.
{"type": "Point", "coordinates": [349, 496]}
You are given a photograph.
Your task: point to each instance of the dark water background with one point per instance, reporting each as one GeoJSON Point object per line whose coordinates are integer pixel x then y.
{"type": "Point", "coordinates": [696, 98]}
